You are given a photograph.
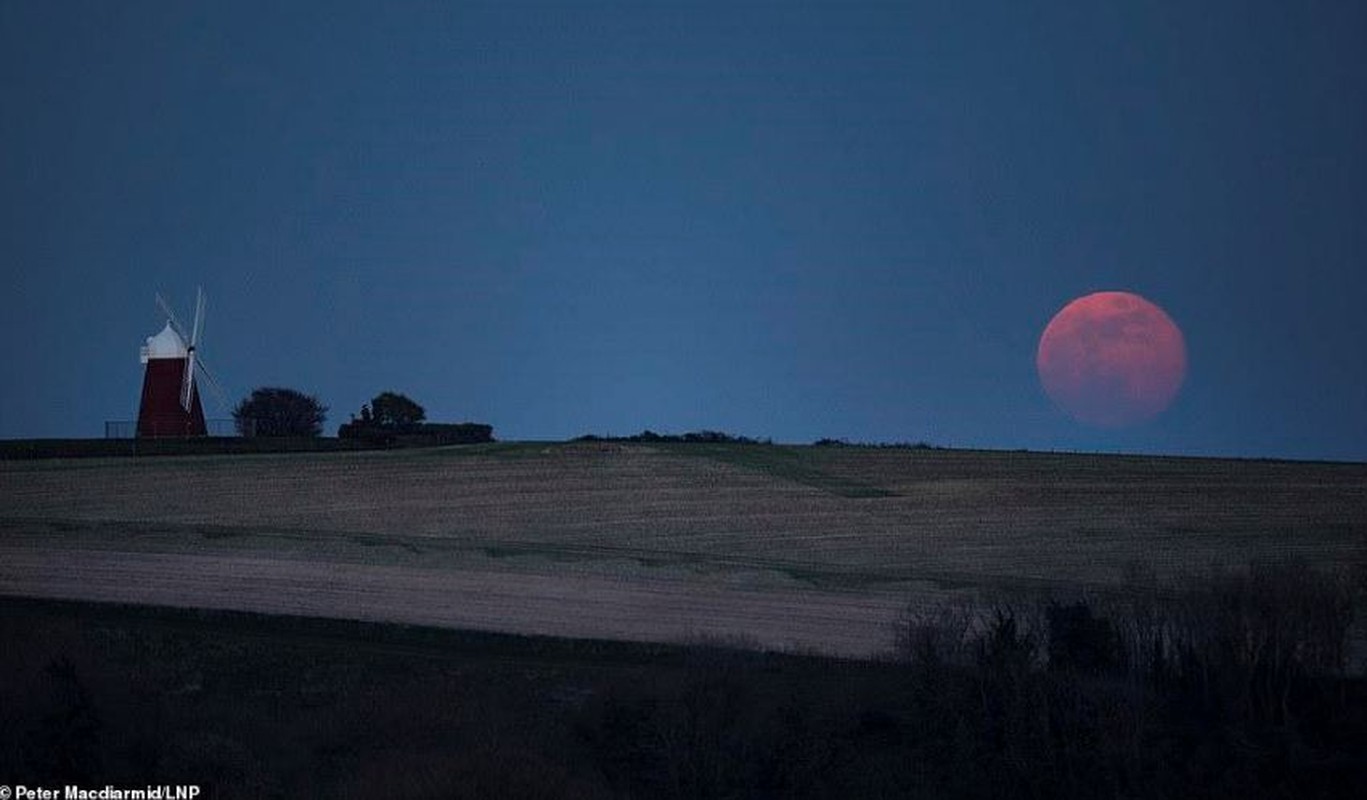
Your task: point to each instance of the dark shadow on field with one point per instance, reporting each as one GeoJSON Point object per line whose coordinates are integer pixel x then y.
{"type": "Point", "coordinates": [1233, 686]}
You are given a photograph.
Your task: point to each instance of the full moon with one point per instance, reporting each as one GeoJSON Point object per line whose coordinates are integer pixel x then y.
{"type": "Point", "coordinates": [1112, 359]}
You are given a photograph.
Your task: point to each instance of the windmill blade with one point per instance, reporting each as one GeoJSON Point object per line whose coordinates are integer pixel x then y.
{"type": "Point", "coordinates": [215, 388]}
{"type": "Point", "coordinates": [187, 381]}
{"type": "Point", "coordinates": [199, 318]}
{"type": "Point", "coordinates": [170, 316]}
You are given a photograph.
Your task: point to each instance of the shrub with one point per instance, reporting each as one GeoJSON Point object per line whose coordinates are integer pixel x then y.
{"type": "Point", "coordinates": [65, 745]}
{"type": "Point", "coordinates": [1248, 641]}
{"type": "Point", "coordinates": [1080, 641]}
{"type": "Point", "coordinates": [648, 436]}
{"type": "Point", "coordinates": [1233, 681]}
{"type": "Point", "coordinates": [276, 411]}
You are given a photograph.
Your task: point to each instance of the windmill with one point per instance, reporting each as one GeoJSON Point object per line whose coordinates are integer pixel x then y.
{"type": "Point", "coordinates": [170, 386]}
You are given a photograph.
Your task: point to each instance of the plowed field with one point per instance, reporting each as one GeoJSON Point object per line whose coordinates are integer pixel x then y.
{"type": "Point", "coordinates": [798, 547]}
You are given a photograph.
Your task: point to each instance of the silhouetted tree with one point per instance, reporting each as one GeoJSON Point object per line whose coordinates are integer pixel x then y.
{"type": "Point", "coordinates": [275, 411]}
{"type": "Point", "coordinates": [395, 411]}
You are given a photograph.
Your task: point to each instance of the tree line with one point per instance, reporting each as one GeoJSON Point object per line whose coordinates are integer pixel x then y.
{"type": "Point", "coordinates": [387, 419]}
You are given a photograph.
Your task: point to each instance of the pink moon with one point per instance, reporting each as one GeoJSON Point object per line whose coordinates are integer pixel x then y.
{"type": "Point", "coordinates": [1112, 359]}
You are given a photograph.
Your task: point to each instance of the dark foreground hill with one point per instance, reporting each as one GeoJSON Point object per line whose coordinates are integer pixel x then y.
{"type": "Point", "coordinates": [247, 706]}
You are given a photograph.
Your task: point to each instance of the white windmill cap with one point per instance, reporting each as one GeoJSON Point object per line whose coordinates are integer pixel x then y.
{"type": "Point", "coordinates": [166, 344]}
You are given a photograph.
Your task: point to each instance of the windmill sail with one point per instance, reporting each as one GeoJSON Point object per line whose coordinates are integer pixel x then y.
{"type": "Point", "coordinates": [187, 384]}
{"type": "Point", "coordinates": [215, 388]}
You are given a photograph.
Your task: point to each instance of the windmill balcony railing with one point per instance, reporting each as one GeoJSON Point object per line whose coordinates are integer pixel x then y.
{"type": "Point", "coordinates": [128, 429]}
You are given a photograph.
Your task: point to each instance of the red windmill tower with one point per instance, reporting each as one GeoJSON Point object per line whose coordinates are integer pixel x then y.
{"type": "Point", "coordinates": [170, 387]}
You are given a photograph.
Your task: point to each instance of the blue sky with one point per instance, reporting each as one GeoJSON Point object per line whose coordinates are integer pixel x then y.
{"type": "Point", "coordinates": [784, 220]}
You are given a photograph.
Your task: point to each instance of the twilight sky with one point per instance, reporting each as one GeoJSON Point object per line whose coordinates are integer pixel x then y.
{"type": "Point", "coordinates": [785, 220]}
